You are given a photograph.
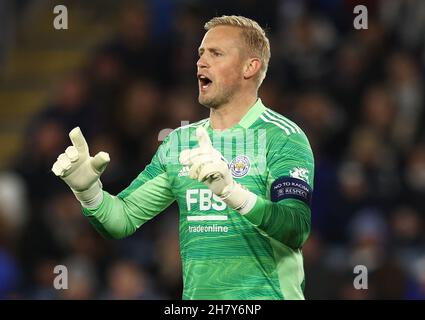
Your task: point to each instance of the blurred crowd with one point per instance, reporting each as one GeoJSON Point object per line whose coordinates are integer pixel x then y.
{"type": "Point", "coordinates": [358, 95]}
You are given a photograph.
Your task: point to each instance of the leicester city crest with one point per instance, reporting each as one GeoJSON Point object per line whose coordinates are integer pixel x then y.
{"type": "Point", "coordinates": [240, 166]}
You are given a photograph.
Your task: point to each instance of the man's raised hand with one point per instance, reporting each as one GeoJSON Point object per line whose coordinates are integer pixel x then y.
{"type": "Point", "coordinates": [80, 171]}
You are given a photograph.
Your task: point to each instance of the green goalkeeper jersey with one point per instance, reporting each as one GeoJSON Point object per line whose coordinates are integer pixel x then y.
{"type": "Point", "coordinates": [226, 255]}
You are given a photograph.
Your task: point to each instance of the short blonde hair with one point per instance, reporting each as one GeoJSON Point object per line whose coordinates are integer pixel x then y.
{"type": "Point", "coordinates": [253, 35]}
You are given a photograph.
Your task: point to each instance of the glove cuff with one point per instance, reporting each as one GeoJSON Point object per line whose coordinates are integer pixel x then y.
{"type": "Point", "coordinates": [239, 198]}
{"type": "Point", "coordinates": [92, 197]}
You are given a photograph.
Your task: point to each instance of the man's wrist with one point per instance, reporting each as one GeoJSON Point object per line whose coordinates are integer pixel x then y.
{"type": "Point", "coordinates": [239, 198]}
{"type": "Point", "coordinates": [92, 197]}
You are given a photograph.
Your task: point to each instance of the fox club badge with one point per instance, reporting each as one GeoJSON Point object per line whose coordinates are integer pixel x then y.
{"type": "Point", "coordinates": [240, 166]}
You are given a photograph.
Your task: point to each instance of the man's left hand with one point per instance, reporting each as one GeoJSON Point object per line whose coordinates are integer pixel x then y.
{"type": "Point", "coordinates": [207, 165]}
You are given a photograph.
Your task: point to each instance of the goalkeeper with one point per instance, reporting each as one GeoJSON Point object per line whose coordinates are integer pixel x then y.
{"type": "Point", "coordinates": [242, 179]}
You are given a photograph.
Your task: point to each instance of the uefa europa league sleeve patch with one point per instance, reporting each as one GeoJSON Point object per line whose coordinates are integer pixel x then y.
{"type": "Point", "coordinates": [291, 188]}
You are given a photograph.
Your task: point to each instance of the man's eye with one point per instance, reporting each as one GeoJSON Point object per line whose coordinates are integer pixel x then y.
{"type": "Point", "coordinates": [216, 54]}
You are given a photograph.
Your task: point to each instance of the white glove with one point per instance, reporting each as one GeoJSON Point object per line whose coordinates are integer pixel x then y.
{"type": "Point", "coordinates": [80, 171]}
{"type": "Point", "coordinates": [207, 165]}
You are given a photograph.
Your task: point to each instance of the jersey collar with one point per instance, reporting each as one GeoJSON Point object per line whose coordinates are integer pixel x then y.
{"type": "Point", "coordinates": [252, 115]}
{"type": "Point", "coordinates": [249, 118]}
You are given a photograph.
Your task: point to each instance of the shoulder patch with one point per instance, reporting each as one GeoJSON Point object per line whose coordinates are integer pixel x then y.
{"type": "Point", "coordinates": [300, 173]}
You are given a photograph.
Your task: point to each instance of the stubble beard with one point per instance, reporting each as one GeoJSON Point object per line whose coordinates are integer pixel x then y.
{"type": "Point", "coordinates": [219, 99]}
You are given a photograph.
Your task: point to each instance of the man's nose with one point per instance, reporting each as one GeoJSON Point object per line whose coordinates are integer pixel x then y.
{"type": "Point", "coordinates": [201, 63]}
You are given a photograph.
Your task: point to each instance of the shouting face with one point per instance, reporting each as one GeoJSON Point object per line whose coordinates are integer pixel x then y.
{"type": "Point", "coordinates": [220, 66]}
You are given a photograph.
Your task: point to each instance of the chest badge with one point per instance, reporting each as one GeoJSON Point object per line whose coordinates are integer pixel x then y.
{"type": "Point", "coordinates": [240, 166]}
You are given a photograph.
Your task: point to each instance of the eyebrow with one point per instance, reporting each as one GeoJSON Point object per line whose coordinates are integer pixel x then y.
{"type": "Point", "coordinates": [213, 49]}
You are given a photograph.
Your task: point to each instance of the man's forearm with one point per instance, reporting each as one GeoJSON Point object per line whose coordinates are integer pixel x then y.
{"type": "Point", "coordinates": [287, 221]}
{"type": "Point", "coordinates": [112, 218]}
{"type": "Point", "coordinates": [119, 216]}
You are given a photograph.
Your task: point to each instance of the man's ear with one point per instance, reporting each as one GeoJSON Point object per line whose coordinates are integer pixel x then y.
{"type": "Point", "coordinates": [252, 67]}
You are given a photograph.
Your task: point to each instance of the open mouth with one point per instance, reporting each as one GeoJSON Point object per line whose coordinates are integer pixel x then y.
{"type": "Point", "coordinates": [204, 82]}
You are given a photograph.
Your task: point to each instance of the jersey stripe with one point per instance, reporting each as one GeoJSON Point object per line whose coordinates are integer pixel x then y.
{"type": "Point", "coordinates": [279, 116]}
{"type": "Point", "coordinates": [283, 121]}
{"type": "Point", "coordinates": [207, 218]}
{"type": "Point", "coordinates": [275, 123]}
{"type": "Point", "coordinates": [271, 117]}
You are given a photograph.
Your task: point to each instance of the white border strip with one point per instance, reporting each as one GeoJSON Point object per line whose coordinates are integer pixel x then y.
{"type": "Point", "coordinates": [207, 218]}
{"type": "Point", "coordinates": [276, 123]}
{"type": "Point", "coordinates": [286, 122]}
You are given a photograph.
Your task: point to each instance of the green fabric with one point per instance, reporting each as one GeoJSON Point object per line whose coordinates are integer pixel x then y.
{"type": "Point", "coordinates": [226, 255]}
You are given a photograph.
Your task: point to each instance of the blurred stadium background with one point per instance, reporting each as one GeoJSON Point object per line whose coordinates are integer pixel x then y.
{"type": "Point", "coordinates": [124, 71]}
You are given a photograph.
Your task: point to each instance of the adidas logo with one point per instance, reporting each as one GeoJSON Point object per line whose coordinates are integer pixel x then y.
{"type": "Point", "coordinates": [184, 172]}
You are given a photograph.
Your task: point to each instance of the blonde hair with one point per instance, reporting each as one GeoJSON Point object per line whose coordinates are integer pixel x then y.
{"type": "Point", "coordinates": [253, 35]}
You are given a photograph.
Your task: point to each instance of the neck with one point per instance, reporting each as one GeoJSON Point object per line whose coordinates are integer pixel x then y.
{"type": "Point", "coordinates": [229, 114]}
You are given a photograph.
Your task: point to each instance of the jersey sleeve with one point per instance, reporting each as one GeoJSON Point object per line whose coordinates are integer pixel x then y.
{"type": "Point", "coordinates": [284, 213]}
{"type": "Point", "coordinates": [149, 194]}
